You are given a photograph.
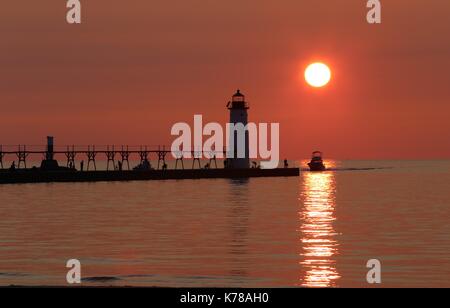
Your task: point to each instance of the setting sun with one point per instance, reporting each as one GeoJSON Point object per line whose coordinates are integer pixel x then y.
{"type": "Point", "coordinates": [317, 75]}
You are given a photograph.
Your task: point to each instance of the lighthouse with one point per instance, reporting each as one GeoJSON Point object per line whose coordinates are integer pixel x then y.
{"type": "Point", "coordinates": [239, 119]}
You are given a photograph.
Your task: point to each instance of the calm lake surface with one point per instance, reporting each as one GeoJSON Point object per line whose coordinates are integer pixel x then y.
{"type": "Point", "coordinates": [319, 229]}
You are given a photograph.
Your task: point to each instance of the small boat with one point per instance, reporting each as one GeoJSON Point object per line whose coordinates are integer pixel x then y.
{"type": "Point", "coordinates": [316, 163]}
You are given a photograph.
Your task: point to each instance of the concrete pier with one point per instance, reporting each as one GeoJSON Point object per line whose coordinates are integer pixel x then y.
{"type": "Point", "coordinates": [38, 176]}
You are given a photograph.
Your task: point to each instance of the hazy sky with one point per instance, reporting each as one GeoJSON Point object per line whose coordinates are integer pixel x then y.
{"type": "Point", "coordinates": [134, 68]}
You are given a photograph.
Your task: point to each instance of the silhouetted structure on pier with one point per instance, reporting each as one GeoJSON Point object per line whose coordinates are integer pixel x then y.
{"type": "Point", "coordinates": [92, 153]}
{"type": "Point", "coordinates": [238, 108]}
{"type": "Point", "coordinates": [236, 162]}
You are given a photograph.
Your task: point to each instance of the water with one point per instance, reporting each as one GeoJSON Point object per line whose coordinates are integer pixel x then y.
{"type": "Point", "coordinates": [316, 230]}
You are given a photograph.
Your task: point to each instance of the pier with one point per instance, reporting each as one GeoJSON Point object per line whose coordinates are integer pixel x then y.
{"type": "Point", "coordinates": [90, 154]}
{"type": "Point", "coordinates": [73, 156]}
{"type": "Point", "coordinates": [34, 176]}
{"type": "Point", "coordinates": [86, 157]}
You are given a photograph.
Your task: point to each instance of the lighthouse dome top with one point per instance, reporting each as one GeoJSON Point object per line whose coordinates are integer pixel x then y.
{"type": "Point", "coordinates": [238, 94]}
{"type": "Point", "coordinates": [238, 101]}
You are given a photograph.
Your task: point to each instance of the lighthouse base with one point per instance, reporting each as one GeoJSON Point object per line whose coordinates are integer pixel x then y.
{"type": "Point", "coordinates": [49, 165]}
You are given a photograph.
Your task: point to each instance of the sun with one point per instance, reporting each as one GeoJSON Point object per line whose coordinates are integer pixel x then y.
{"type": "Point", "coordinates": [317, 75]}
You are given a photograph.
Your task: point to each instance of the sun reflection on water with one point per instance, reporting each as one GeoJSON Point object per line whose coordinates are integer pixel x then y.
{"type": "Point", "coordinates": [319, 245]}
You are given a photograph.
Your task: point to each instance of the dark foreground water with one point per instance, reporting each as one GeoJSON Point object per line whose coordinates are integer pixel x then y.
{"type": "Point", "coordinates": [316, 230]}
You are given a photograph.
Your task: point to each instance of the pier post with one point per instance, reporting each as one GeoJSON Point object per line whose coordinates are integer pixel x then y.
{"type": "Point", "coordinates": [196, 157]}
{"type": "Point", "coordinates": [143, 154]}
{"type": "Point", "coordinates": [70, 154]}
{"type": "Point", "coordinates": [22, 156]}
{"type": "Point", "coordinates": [125, 154]}
{"type": "Point", "coordinates": [110, 154]}
{"type": "Point", "coordinates": [161, 156]}
{"type": "Point", "coordinates": [91, 157]}
{"type": "Point", "coordinates": [179, 159]}
{"type": "Point", "coordinates": [213, 158]}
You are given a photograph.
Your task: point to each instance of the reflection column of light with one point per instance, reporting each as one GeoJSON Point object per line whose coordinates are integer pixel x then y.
{"type": "Point", "coordinates": [319, 245]}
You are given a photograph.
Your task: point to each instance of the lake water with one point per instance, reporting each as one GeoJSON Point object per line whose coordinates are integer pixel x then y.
{"type": "Point", "coordinates": [319, 229]}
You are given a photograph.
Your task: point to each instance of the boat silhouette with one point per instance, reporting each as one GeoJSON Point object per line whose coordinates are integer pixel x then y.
{"type": "Point", "coordinates": [316, 163]}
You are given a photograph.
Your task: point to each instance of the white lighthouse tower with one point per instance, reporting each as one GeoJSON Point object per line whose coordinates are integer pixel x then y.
{"type": "Point", "coordinates": [238, 115]}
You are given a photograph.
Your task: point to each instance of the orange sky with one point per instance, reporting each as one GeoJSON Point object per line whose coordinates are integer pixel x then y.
{"type": "Point", "coordinates": [134, 68]}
